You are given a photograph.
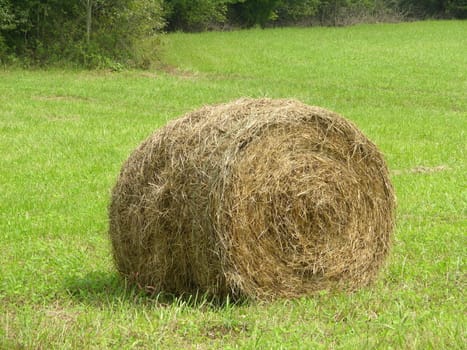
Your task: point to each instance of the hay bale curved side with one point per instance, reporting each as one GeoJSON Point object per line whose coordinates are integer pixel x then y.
{"type": "Point", "coordinates": [261, 198]}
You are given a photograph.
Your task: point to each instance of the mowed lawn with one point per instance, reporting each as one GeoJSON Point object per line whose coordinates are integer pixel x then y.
{"type": "Point", "coordinates": [64, 135]}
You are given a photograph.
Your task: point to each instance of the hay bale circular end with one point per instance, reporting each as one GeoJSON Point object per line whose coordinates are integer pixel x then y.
{"type": "Point", "coordinates": [260, 198]}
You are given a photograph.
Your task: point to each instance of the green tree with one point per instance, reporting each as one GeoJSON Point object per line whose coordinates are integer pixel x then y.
{"type": "Point", "coordinates": [337, 12]}
{"type": "Point", "coordinates": [7, 22]}
{"type": "Point", "coordinates": [7, 19]}
{"type": "Point", "coordinates": [422, 8]}
{"type": "Point", "coordinates": [292, 11]}
{"type": "Point", "coordinates": [254, 12]}
{"type": "Point", "coordinates": [195, 15]}
{"type": "Point", "coordinates": [457, 8]}
{"type": "Point", "coordinates": [121, 27]}
{"type": "Point", "coordinates": [92, 32]}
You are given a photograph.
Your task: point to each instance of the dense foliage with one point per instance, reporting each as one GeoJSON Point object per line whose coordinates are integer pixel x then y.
{"type": "Point", "coordinates": [90, 32]}
{"type": "Point", "coordinates": [195, 15]}
{"type": "Point", "coordinates": [435, 8]}
{"type": "Point", "coordinates": [102, 32]}
{"type": "Point", "coordinates": [205, 14]}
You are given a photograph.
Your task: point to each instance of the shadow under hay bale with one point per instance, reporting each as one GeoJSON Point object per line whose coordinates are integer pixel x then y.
{"type": "Point", "coordinates": [256, 198]}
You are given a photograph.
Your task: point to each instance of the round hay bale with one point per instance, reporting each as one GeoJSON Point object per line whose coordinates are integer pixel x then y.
{"type": "Point", "coordinates": [260, 198]}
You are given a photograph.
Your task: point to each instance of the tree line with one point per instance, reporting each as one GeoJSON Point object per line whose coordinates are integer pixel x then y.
{"type": "Point", "coordinates": [125, 32]}
{"type": "Point", "coordinates": [197, 15]}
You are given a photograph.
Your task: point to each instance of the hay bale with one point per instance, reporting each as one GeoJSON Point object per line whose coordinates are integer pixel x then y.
{"type": "Point", "coordinates": [260, 198]}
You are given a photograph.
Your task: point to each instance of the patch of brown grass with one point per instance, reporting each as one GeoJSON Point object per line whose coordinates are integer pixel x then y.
{"type": "Point", "coordinates": [61, 98]}
{"type": "Point", "coordinates": [421, 170]}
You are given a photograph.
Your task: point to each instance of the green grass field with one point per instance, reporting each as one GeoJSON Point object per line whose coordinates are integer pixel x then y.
{"type": "Point", "coordinates": [65, 134]}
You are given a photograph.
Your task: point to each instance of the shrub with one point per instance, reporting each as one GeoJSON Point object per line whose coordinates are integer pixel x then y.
{"type": "Point", "coordinates": [195, 15]}
{"type": "Point", "coordinates": [249, 13]}
{"type": "Point", "coordinates": [435, 8]}
{"type": "Point", "coordinates": [457, 8]}
{"type": "Point", "coordinates": [89, 32]}
{"type": "Point", "coordinates": [296, 11]}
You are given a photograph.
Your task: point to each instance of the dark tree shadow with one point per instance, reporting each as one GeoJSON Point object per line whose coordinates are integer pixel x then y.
{"type": "Point", "coordinates": [101, 288]}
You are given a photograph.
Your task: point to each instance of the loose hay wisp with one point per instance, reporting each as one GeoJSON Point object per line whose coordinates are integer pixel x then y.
{"type": "Point", "coordinates": [259, 197]}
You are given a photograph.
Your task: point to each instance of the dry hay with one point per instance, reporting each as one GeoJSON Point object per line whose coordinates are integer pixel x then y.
{"type": "Point", "coordinates": [260, 198]}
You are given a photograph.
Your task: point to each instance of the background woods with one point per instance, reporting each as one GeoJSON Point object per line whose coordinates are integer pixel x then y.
{"type": "Point", "coordinates": [90, 32]}
{"type": "Point", "coordinates": [102, 33]}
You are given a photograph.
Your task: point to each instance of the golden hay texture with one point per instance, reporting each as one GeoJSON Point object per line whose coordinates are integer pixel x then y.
{"type": "Point", "coordinates": [256, 198]}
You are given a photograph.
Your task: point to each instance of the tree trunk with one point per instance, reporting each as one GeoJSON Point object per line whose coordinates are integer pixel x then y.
{"type": "Point", "coordinates": [88, 20]}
